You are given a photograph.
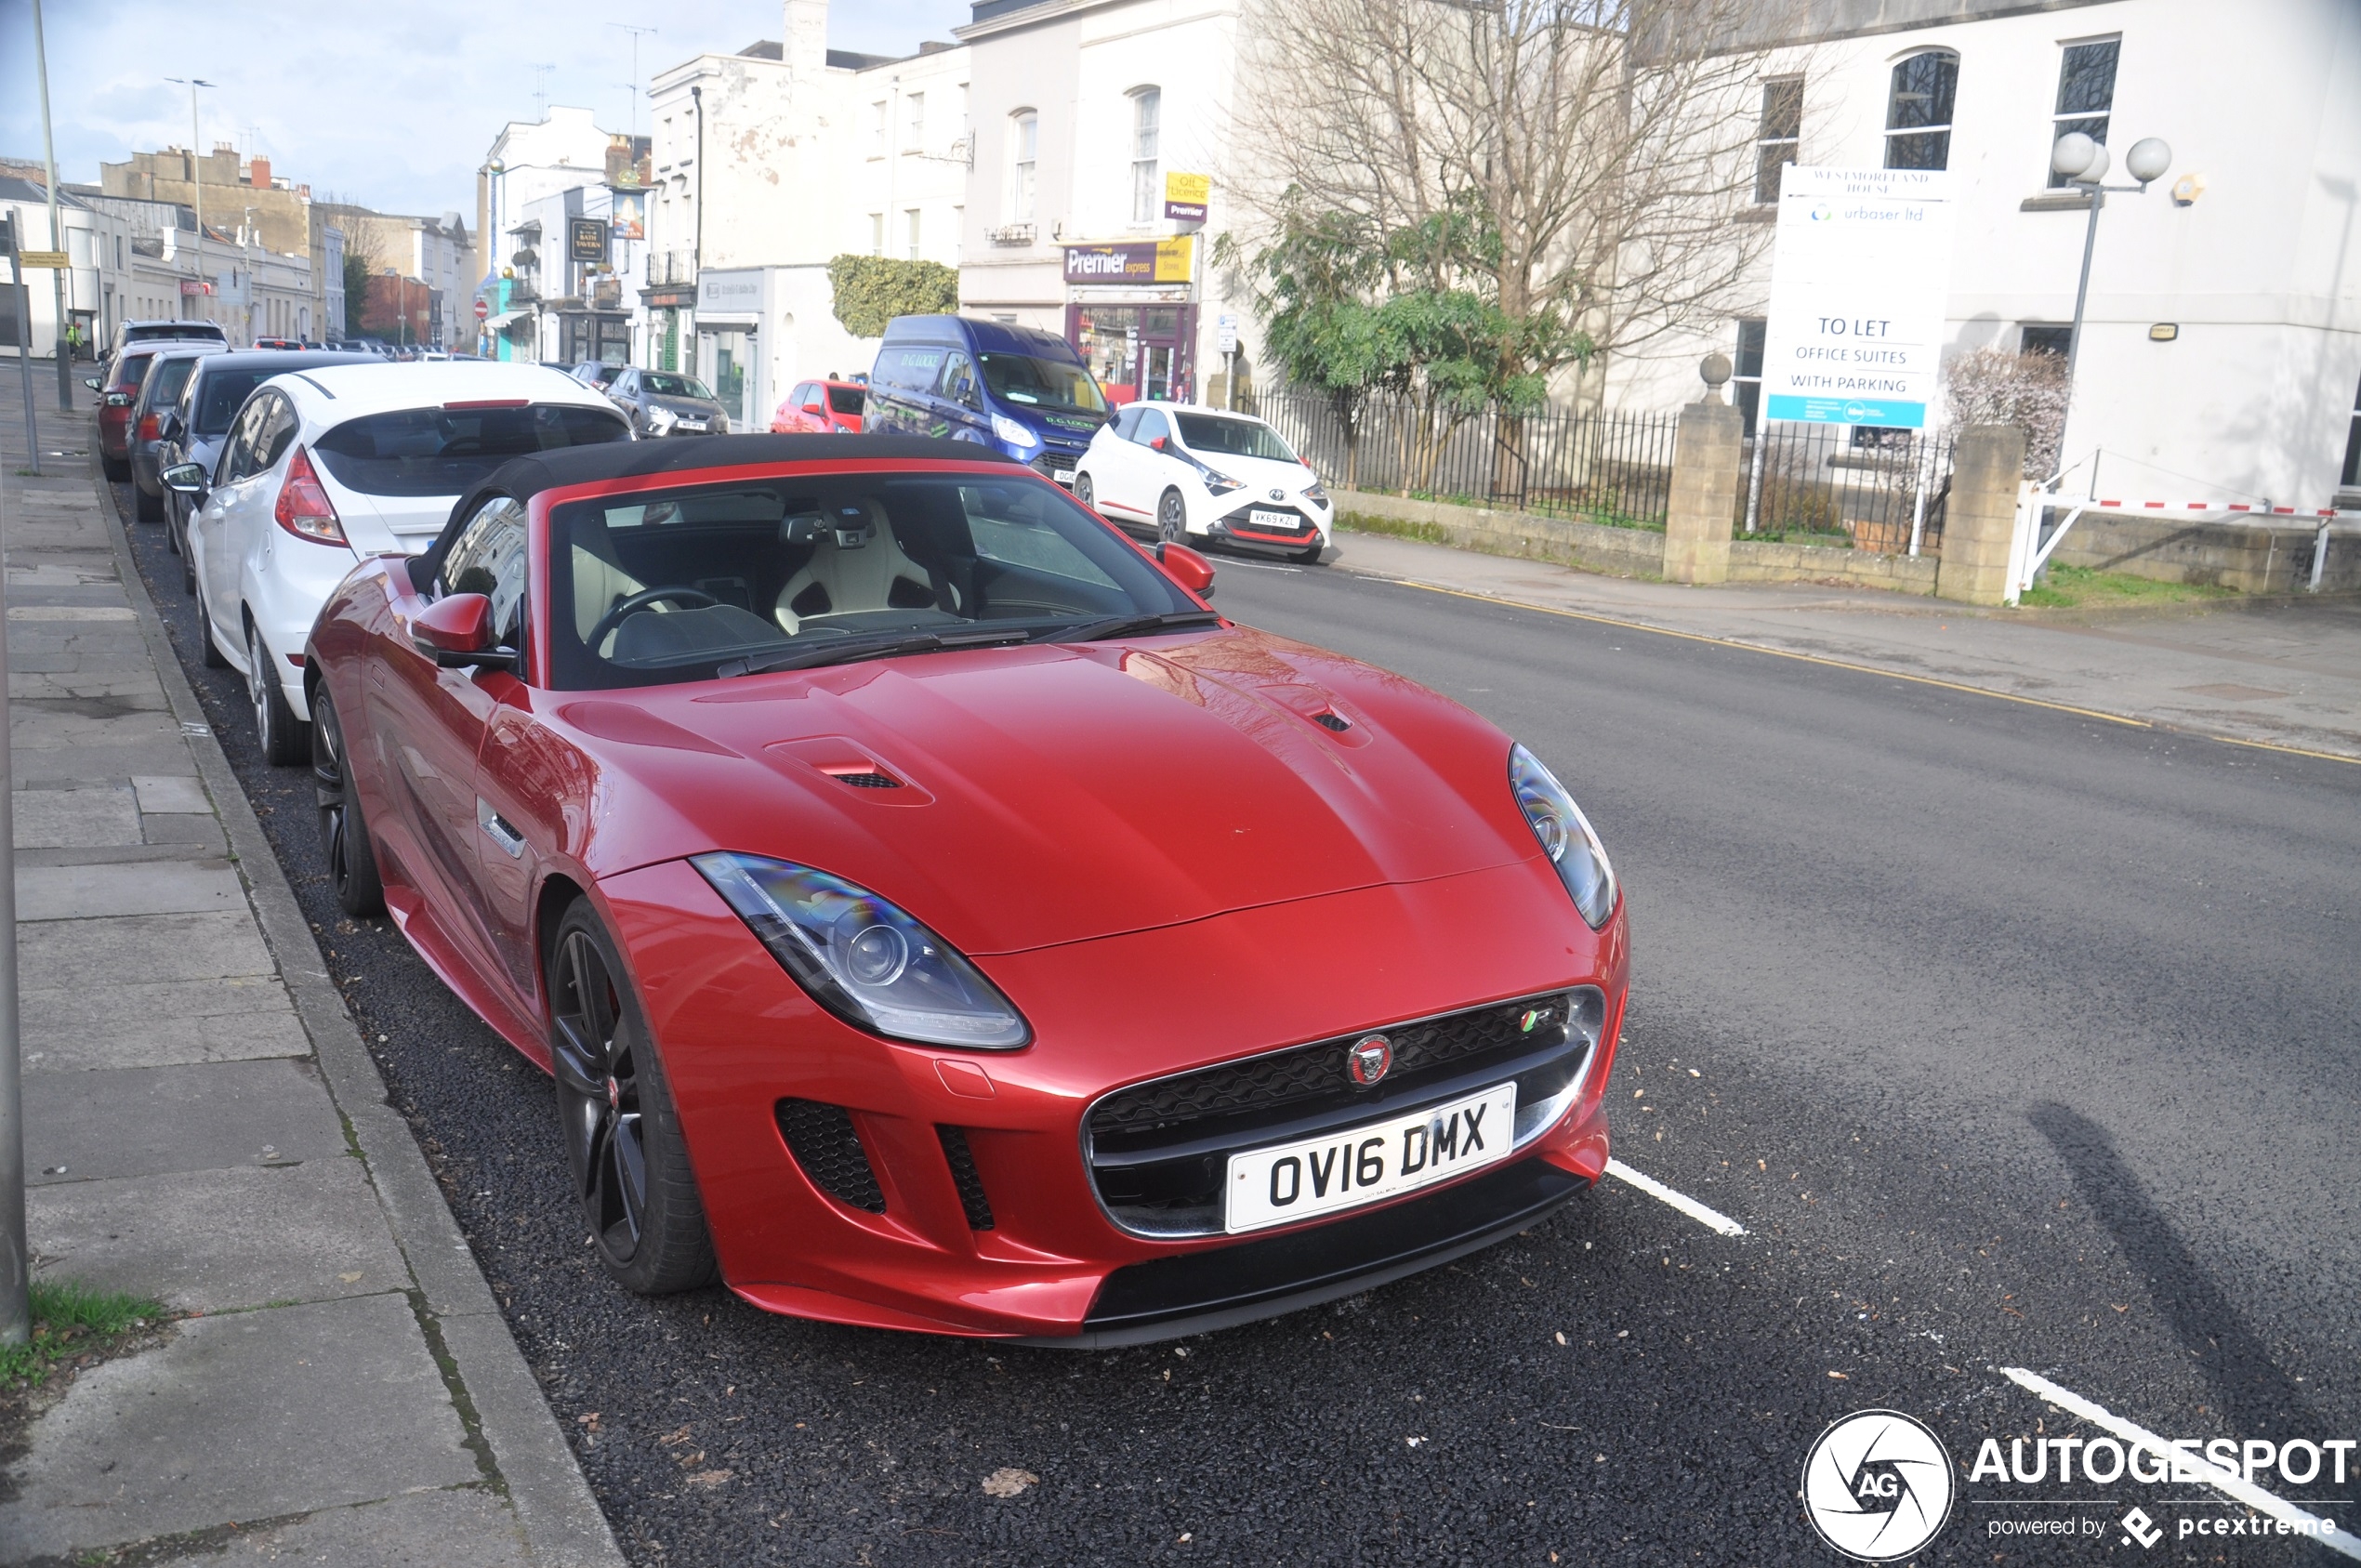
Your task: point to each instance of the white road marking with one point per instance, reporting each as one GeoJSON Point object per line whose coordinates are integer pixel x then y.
{"type": "Point", "coordinates": [2225, 1482]}
{"type": "Point", "coordinates": [1223, 563]}
{"type": "Point", "coordinates": [1710, 1219]}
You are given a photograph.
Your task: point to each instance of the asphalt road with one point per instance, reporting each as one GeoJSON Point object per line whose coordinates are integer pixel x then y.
{"type": "Point", "coordinates": [2014, 1038]}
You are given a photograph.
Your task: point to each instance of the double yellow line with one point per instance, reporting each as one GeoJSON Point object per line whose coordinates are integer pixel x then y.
{"type": "Point", "coordinates": [1867, 669]}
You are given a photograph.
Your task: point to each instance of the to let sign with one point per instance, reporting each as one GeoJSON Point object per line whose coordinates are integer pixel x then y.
{"type": "Point", "coordinates": [1185, 196]}
{"type": "Point", "coordinates": [587, 239]}
{"type": "Point", "coordinates": [1859, 274]}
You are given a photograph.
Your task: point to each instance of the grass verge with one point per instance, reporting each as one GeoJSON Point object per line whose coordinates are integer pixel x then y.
{"type": "Point", "coordinates": [71, 1320]}
{"type": "Point", "coordinates": [1401, 528]}
{"type": "Point", "coordinates": [2082, 588]}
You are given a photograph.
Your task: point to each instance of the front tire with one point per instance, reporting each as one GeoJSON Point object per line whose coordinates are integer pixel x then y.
{"type": "Point", "coordinates": [624, 1148]}
{"type": "Point", "coordinates": [1085, 492]}
{"type": "Point", "coordinates": [1172, 519]}
{"type": "Point", "coordinates": [145, 508]}
{"type": "Point", "coordinates": [344, 836]}
{"type": "Point", "coordinates": [276, 728]}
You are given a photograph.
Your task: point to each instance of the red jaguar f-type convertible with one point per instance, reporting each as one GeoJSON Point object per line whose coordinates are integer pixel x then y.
{"type": "Point", "coordinates": [937, 917]}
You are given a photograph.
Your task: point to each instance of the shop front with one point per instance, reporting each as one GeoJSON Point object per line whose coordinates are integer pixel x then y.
{"type": "Point", "coordinates": [1131, 312]}
{"type": "Point", "coordinates": [729, 312]}
{"type": "Point", "coordinates": [665, 306]}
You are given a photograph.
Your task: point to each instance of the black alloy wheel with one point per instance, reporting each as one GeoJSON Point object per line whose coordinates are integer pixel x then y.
{"type": "Point", "coordinates": [344, 836]}
{"type": "Point", "coordinates": [1085, 492]}
{"type": "Point", "coordinates": [275, 725]}
{"type": "Point", "coordinates": [624, 1148]}
{"type": "Point", "coordinates": [1172, 519]}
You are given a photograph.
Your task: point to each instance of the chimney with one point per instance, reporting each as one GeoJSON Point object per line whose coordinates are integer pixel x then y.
{"type": "Point", "coordinates": [803, 41]}
{"type": "Point", "coordinates": [258, 175]}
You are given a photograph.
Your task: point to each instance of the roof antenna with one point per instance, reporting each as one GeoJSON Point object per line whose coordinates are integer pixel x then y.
{"type": "Point", "coordinates": [541, 87]}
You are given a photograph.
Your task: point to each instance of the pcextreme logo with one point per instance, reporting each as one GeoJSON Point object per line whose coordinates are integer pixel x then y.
{"type": "Point", "coordinates": [1878, 1485]}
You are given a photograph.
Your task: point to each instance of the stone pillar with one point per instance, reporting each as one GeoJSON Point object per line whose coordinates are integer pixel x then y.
{"type": "Point", "coordinates": [1707, 470]}
{"type": "Point", "coordinates": [1979, 519]}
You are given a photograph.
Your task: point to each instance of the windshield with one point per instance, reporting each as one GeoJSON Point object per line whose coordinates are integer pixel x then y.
{"type": "Point", "coordinates": [1021, 378]}
{"type": "Point", "coordinates": [668, 385]}
{"type": "Point", "coordinates": [1207, 434]}
{"type": "Point", "coordinates": [845, 400]}
{"type": "Point", "coordinates": [443, 451]}
{"type": "Point", "coordinates": [129, 371]}
{"type": "Point", "coordinates": [166, 381]}
{"type": "Point", "coordinates": [682, 585]}
{"type": "Point", "coordinates": [219, 396]}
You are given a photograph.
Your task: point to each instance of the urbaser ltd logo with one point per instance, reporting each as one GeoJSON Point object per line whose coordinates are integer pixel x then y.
{"type": "Point", "coordinates": [1878, 1485]}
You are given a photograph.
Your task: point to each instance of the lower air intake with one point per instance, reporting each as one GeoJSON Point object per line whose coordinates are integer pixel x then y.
{"type": "Point", "coordinates": [962, 1162]}
{"type": "Point", "coordinates": [825, 1143]}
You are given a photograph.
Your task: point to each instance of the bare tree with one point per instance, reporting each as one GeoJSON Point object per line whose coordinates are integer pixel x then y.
{"type": "Point", "coordinates": [1577, 165]}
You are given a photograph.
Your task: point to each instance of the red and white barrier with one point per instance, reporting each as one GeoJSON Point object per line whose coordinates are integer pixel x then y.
{"type": "Point", "coordinates": [2205, 507]}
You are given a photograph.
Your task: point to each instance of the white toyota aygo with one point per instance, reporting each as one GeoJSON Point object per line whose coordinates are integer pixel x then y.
{"type": "Point", "coordinates": [324, 466]}
{"type": "Point", "coordinates": [1195, 474]}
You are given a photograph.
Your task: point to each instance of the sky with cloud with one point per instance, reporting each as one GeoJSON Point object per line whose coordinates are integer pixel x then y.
{"type": "Point", "coordinates": [390, 106]}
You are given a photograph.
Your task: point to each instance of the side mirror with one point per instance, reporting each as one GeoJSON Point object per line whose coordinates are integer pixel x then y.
{"type": "Point", "coordinates": [1187, 568]}
{"type": "Point", "coordinates": [91, 382]}
{"type": "Point", "coordinates": [456, 633]}
{"type": "Point", "coordinates": [185, 479]}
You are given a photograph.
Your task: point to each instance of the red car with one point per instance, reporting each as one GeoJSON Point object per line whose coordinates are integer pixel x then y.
{"type": "Point", "coordinates": [936, 918]}
{"type": "Point", "coordinates": [117, 391]}
{"type": "Point", "coordinates": [822, 408]}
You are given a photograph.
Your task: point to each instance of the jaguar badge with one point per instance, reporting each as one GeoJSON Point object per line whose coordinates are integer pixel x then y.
{"type": "Point", "coordinates": [1369, 1060]}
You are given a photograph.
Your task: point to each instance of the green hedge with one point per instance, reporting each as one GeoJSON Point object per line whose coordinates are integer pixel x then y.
{"type": "Point", "coordinates": [872, 290]}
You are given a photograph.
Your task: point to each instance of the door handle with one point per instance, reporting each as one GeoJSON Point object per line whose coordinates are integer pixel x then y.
{"type": "Point", "coordinates": [511, 841]}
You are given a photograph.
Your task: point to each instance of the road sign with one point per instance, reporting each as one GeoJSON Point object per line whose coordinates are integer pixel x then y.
{"type": "Point", "coordinates": [482, 309]}
{"type": "Point", "coordinates": [1225, 334]}
{"type": "Point", "coordinates": [53, 259]}
{"type": "Point", "coordinates": [1860, 272]}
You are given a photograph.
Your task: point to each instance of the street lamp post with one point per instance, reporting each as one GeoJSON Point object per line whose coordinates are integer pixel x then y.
{"type": "Point", "coordinates": [196, 169]}
{"type": "Point", "coordinates": [2084, 162]}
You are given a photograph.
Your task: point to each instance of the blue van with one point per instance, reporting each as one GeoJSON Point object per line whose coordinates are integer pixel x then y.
{"type": "Point", "coordinates": [1021, 391]}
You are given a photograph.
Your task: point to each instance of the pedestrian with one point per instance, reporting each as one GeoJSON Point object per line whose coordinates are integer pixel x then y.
{"type": "Point", "coordinates": [74, 343]}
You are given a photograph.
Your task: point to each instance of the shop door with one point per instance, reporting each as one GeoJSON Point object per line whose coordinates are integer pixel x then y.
{"type": "Point", "coordinates": [732, 378]}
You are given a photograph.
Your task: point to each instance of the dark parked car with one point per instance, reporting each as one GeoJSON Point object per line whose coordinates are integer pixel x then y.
{"type": "Point", "coordinates": [168, 372]}
{"type": "Point", "coordinates": [661, 403]}
{"type": "Point", "coordinates": [128, 332]}
{"type": "Point", "coordinates": [596, 372]}
{"type": "Point", "coordinates": [193, 430]}
{"type": "Point", "coordinates": [116, 390]}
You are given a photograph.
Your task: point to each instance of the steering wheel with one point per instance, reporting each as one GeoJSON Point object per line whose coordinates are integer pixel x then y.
{"type": "Point", "coordinates": [696, 599]}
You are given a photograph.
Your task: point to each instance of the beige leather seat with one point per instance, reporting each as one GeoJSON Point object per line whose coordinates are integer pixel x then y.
{"type": "Point", "coordinates": [600, 581]}
{"type": "Point", "coordinates": [852, 570]}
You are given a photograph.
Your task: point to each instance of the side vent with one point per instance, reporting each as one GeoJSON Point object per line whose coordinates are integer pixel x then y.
{"type": "Point", "coordinates": [1332, 719]}
{"type": "Point", "coordinates": [962, 1162]}
{"type": "Point", "coordinates": [825, 1143]}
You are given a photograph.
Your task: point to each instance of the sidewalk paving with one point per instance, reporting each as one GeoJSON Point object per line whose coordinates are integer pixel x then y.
{"type": "Point", "coordinates": [2285, 673]}
{"type": "Point", "coordinates": [205, 1125]}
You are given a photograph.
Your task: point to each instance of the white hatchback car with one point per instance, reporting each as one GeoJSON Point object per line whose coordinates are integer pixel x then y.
{"type": "Point", "coordinates": [325, 465]}
{"type": "Point", "coordinates": [1195, 473]}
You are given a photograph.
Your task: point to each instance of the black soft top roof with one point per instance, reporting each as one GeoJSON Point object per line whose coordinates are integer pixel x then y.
{"type": "Point", "coordinates": [527, 477]}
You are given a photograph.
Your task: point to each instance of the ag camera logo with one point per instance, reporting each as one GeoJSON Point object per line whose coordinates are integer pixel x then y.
{"type": "Point", "coordinates": [1878, 1485]}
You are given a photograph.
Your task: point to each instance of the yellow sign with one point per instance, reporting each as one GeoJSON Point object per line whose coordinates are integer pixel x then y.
{"type": "Point", "coordinates": [53, 259]}
{"type": "Point", "coordinates": [1185, 196]}
{"type": "Point", "coordinates": [1176, 260]}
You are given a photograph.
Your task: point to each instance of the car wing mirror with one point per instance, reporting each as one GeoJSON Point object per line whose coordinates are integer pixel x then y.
{"type": "Point", "coordinates": [186, 479]}
{"type": "Point", "coordinates": [456, 633]}
{"type": "Point", "coordinates": [91, 382]}
{"type": "Point", "coordinates": [1187, 568]}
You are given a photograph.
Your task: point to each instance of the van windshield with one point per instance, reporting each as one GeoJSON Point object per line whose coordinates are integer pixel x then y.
{"type": "Point", "coordinates": [1038, 383]}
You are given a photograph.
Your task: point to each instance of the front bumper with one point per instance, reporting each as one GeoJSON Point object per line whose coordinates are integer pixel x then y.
{"type": "Point", "coordinates": [1236, 526]}
{"type": "Point", "coordinates": [971, 1211]}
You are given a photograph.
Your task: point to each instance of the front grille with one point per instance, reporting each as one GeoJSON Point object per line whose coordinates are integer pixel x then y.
{"type": "Point", "coordinates": [1242, 521]}
{"type": "Point", "coordinates": [1159, 1151]}
{"type": "Point", "coordinates": [826, 1144]}
{"type": "Point", "coordinates": [1049, 462]}
{"type": "Point", "coordinates": [964, 1176]}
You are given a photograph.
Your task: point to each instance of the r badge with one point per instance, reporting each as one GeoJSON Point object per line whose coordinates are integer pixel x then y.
{"type": "Point", "coordinates": [1371, 1055]}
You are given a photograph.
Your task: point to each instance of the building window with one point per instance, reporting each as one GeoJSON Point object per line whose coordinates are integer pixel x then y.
{"type": "Point", "coordinates": [2034, 338]}
{"type": "Point", "coordinates": [1746, 377]}
{"type": "Point", "coordinates": [915, 123]}
{"type": "Point", "coordinates": [1775, 144]}
{"type": "Point", "coordinates": [876, 233]}
{"type": "Point", "coordinates": [878, 129]}
{"type": "Point", "coordinates": [2085, 94]}
{"type": "Point", "coordinates": [1147, 109]}
{"type": "Point", "coordinates": [1024, 141]}
{"type": "Point", "coordinates": [1917, 115]}
{"type": "Point", "coordinates": [910, 234]}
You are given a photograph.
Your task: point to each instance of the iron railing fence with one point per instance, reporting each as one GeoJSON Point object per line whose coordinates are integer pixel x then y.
{"type": "Point", "coordinates": [1833, 484]}
{"type": "Point", "coordinates": [1614, 468]}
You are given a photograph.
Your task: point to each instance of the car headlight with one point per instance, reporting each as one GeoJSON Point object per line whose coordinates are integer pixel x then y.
{"type": "Point", "coordinates": [1566, 835]}
{"type": "Point", "coordinates": [1317, 496]}
{"type": "Point", "coordinates": [1221, 483]}
{"type": "Point", "coordinates": [862, 958]}
{"type": "Point", "coordinates": [660, 419]}
{"type": "Point", "coordinates": [1010, 431]}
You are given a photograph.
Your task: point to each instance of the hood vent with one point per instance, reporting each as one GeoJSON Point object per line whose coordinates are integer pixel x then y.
{"type": "Point", "coordinates": [1332, 719]}
{"type": "Point", "coordinates": [866, 779]}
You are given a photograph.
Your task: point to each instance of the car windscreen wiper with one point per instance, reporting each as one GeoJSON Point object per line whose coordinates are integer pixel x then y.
{"type": "Point", "coordinates": [851, 650]}
{"type": "Point", "coordinates": [1132, 626]}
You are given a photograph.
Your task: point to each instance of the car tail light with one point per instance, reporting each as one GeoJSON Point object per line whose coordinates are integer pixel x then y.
{"type": "Point", "coordinates": [304, 509]}
{"type": "Point", "coordinates": [148, 427]}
